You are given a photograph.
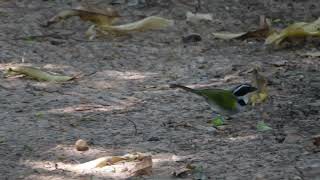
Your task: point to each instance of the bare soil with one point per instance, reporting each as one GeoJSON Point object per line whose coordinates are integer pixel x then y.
{"type": "Point", "coordinates": [126, 79]}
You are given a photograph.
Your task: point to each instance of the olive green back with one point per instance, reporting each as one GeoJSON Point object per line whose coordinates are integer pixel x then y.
{"type": "Point", "coordinates": [223, 98]}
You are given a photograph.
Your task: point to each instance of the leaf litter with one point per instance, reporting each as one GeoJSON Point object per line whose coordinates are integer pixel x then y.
{"type": "Point", "coordinates": [103, 21]}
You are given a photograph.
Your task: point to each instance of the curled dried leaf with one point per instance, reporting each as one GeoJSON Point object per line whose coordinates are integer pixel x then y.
{"type": "Point", "coordinates": [38, 74]}
{"type": "Point", "coordinates": [296, 30]}
{"type": "Point", "coordinates": [93, 14]}
{"type": "Point", "coordinates": [142, 167]}
{"type": "Point", "coordinates": [261, 33]}
{"type": "Point", "coordinates": [152, 22]}
{"type": "Point", "coordinates": [128, 165]}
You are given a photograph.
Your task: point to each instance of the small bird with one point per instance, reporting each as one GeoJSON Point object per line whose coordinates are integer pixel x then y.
{"type": "Point", "coordinates": [224, 102]}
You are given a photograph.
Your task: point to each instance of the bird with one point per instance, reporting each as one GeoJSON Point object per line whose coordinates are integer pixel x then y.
{"type": "Point", "coordinates": [224, 102]}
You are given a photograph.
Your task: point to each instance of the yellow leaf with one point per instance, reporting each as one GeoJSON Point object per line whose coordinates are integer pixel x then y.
{"type": "Point", "coordinates": [300, 29]}
{"type": "Point", "coordinates": [38, 74]}
{"type": "Point", "coordinates": [261, 94]}
{"type": "Point", "coordinates": [227, 35]}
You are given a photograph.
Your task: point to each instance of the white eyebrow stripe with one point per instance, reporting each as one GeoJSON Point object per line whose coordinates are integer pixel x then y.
{"type": "Point", "coordinates": [238, 88]}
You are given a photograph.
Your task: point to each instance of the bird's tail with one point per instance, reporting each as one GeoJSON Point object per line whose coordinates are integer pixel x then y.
{"type": "Point", "coordinates": [183, 87]}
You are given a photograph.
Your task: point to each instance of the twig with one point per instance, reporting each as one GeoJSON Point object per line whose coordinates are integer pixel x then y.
{"type": "Point", "coordinates": [38, 37]}
{"type": "Point", "coordinates": [198, 7]}
{"type": "Point", "coordinates": [134, 125]}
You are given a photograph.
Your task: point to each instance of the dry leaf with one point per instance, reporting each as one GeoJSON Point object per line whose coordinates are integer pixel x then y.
{"type": "Point", "coordinates": [262, 32]}
{"type": "Point", "coordinates": [183, 172]}
{"type": "Point", "coordinates": [142, 167]}
{"type": "Point", "coordinates": [310, 54]}
{"type": "Point", "coordinates": [125, 166]}
{"type": "Point", "coordinates": [296, 30]}
{"type": "Point", "coordinates": [101, 162]}
{"type": "Point", "coordinates": [38, 74]}
{"type": "Point", "coordinates": [260, 82]}
{"type": "Point", "coordinates": [88, 13]}
{"type": "Point", "coordinates": [152, 22]}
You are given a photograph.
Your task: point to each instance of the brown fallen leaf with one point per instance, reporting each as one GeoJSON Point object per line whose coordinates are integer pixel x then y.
{"type": "Point", "coordinates": [261, 33]}
{"type": "Point", "coordinates": [142, 167]}
{"type": "Point", "coordinates": [183, 172]}
{"type": "Point", "coordinates": [87, 12]}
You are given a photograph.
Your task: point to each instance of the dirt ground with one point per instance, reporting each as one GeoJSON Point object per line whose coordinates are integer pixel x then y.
{"type": "Point", "coordinates": [127, 80]}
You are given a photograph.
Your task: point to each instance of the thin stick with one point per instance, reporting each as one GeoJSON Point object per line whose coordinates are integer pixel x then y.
{"type": "Point", "coordinates": [135, 127]}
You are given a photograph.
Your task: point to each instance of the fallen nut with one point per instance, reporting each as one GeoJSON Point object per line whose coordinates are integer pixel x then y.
{"type": "Point", "coordinates": [81, 145]}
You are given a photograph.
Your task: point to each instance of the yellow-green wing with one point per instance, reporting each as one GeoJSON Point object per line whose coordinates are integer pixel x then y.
{"type": "Point", "coordinates": [223, 98]}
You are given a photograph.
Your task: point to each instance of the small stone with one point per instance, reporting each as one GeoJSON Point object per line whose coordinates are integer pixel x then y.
{"type": "Point", "coordinates": [81, 145]}
{"type": "Point", "coordinates": [316, 140]}
{"type": "Point", "coordinates": [206, 129]}
{"type": "Point", "coordinates": [154, 139]}
{"type": "Point", "coordinates": [279, 63]}
{"type": "Point", "coordinates": [259, 177]}
{"type": "Point", "coordinates": [296, 178]}
{"type": "Point", "coordinates": [191, 38]}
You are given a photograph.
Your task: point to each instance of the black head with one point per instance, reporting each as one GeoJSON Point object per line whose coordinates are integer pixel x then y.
{"type": "Point", "coordinates": [243, 89]}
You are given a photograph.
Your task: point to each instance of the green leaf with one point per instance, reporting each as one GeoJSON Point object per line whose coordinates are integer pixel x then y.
{"type": "Point", "coordinates": [217, 121]}
{"type": "Point", "coordinates": [199, 173]}
{"type": "Point", "coordinates": [38, 74]}
{"type": "Point", "coordinates": [262, 126]}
